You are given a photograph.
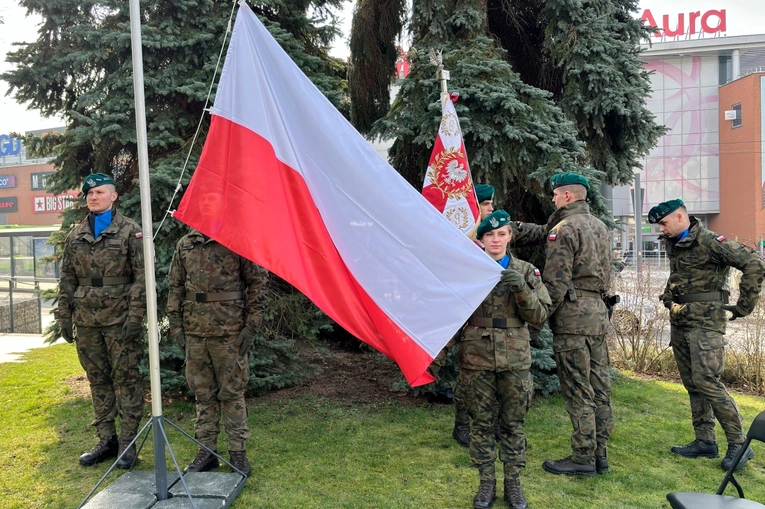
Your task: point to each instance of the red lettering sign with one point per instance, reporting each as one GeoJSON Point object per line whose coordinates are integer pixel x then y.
{"type": "Point", "coordinates": [675, 27]}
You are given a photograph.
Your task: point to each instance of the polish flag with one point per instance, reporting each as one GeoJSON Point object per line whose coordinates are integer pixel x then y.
{"type": "Point", "coordinates": [285, 181]}
{"type": "Point", "coordinates": [448, 184]}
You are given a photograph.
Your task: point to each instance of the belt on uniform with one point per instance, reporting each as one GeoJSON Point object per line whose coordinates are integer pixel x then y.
{"type": "Point", "coordinates": [586, 293]}
{"type": "Point", "coordinates": [217, 297]}
{"type": "Point", "coordinates": [496, 323]}
{"type": "Point", "coordinates": [104, 281]}
{"type": "Point", "coordinates": [701, 297]}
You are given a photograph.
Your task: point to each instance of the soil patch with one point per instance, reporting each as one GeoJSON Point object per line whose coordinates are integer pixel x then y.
{"type": "Point", "coordinates": [349, 377]}
{"type": "Point", "coordinates": [79, 385]}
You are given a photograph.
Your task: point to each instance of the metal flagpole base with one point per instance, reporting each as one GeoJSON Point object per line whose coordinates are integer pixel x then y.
{"type": "Point", "coordinates": [139, 489]}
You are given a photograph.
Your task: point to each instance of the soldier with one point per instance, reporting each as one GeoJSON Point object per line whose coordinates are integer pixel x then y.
{"type": "Point", "coordinates": [697, 296]}
{"type": "Point", "coordinates": [103, 293]}
{"type": "Point", "coordinates": [495, 362]}
{"type": "Point", "coordinates": [577, 275]}
{"type": "Point", "coordinates": [461, 432]}
{"type": "Point", "coordinates": [215, 306]}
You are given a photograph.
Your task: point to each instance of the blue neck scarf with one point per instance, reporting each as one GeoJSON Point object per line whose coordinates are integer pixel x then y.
{"type": "Point", "coordinates": [101, 222]}
{"type": "Point", "coordinates": [504, 262]}
{"type": "Point", "coordinates": [681, 236]}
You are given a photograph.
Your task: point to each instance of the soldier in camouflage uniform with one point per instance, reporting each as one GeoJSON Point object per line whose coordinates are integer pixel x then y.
{"type": "Point", "coordinates": [577, 274]}
{"type": "Point", "coordinates": [215, 307]}
{"type": "Point", "coordinates": [461, 432]}
{"type": "Point", "coordinates": [103, 293]}
{"type": "Point", "coordinates": [697, 296]}
{"type": "Point", "coordinates": [495, 362]}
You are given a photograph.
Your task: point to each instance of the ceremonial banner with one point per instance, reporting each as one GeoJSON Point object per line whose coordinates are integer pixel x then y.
{"type": "Point", "coordinates": [448, 184]}
{"type": "Point", "coordinates": [287, 182]}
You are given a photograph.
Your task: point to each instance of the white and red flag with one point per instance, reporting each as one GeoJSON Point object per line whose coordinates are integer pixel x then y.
{"type": "Point", "coordinates": [303, 194]}
{"type": "Point", "coordinates": [448, 184]}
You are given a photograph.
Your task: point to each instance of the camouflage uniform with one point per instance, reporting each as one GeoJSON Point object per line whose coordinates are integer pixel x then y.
{"type": "Point", "coordinates": [699, 266]}
{"type": "Point", "coordinates": [214, 294]}
{"type": "Point", "coordinates": [494, 365]}
{"type": "Point", "coordinates": [102, 286]}
{"type": "Point", "coordinates": [578, 253]}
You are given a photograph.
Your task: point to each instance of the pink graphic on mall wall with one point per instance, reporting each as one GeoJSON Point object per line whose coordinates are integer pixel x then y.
{"type": "Point", "coordinates": [685, 163]}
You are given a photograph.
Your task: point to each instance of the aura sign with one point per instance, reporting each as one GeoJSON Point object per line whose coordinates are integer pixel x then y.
{"type": "Point", "coordinates": [710, 22]}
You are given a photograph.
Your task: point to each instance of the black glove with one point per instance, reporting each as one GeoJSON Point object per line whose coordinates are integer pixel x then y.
{"type": "Point", "coordinates": [514, 279]}
{"type": "Point", "coordinates": [734, 312]}
{"type": "Point", "coordinates": [180, 339]}
{"type": "Point", "coordinates": [67, 330]}
{"type": "Point", "coordinates": [132, 331]}
{"type": "Point", "coordinates": [245, 340]}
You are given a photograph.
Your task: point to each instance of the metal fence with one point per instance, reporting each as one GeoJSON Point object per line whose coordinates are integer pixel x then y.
{"type": "Point", "coordinates": [21, 304]}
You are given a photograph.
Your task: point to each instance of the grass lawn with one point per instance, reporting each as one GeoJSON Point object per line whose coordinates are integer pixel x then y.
{"type": "Point", "coordinates": [314, 453]}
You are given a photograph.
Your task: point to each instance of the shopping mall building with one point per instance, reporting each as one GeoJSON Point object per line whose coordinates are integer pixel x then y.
{"type": "Point", "coordinates": [709, 91]}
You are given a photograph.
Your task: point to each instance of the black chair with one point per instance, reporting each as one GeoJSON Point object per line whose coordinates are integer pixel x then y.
{"type": "Point", "coordinates": [681, 500]}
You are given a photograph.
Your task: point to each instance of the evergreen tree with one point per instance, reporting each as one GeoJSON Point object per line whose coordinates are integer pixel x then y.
{"type": "Point", "coordinates": [80, 67]}
{"type": "Point", "coordinates": [545, 86]}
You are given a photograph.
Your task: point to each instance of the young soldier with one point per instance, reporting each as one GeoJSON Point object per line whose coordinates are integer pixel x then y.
{"type": "Point", "coordinates": [215, 306]}
{"type": "Point", "coordinates": [577, 274]}
{"type": "Point", "coordinates": [461, 432]}
{"type": "Point", "coordinates": [495, 362]}
{"type": "Point", "coordinates": [103, 292]}
{"type": "Point", "coordinates": [697, 296]}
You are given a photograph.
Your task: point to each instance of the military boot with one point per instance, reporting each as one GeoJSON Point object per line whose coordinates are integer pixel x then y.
{"type": "Point", "coordinates": [461, 433]}
{"type": "Point", "coordinates": [487, 493]}
{"type": "Point", "coordinates": [697, 449]}
{"type": "Point", "coordinates": [240, 462]}
{"type": "Point", "coordinates": [105, 448]}
{"type": "Point", "coordinates": [127, 461]}
{"type": "Point", "coordinates": [731, 454]}
{"type": "Point", "coordinates": [567, 466]}
{"type": "Point", "coordinates": [203, 462]}
{"type": "Point", "coordinates": [601, 464]}
{"type": "Point", "coordinates": [513, 494]}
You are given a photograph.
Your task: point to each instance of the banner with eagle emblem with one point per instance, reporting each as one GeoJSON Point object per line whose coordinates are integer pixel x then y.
{"type": "Point", "coordinates": [448, 184]}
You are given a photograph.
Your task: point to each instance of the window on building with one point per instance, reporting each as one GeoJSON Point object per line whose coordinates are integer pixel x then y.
{"type": "Point", "coordinates": [737, 121]}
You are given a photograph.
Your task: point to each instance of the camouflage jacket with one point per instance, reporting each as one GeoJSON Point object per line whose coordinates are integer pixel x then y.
{"type": "Point", "coordinates": [500, 349]}
{"type": "Point", "coordinates": [117, 252]}
{"type": "Point", "coordinates": [700, 263]}
{"type": "Point", "coordinates": [202, 266]}
{"type": "Point", "coordinates": [578, 251]}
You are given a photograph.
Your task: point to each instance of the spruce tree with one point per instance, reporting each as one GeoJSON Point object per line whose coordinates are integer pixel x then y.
{"type": "Point", "coordinates": [80, 67]}
{"type": "Point", "coordinates": [545, 86]}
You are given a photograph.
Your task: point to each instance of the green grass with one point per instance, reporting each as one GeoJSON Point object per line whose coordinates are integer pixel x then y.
{"type": "Point", "coordinates": [317, 454]}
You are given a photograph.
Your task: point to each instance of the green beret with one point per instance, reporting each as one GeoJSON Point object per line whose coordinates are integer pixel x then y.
{"type": "Point", "coordinates": [496, 219]}
{"type": "Point", "coordinates": [663, 209]}
{"type": "Point", "coordinates": [95, 180]}
{"type": "Point", "coordinates": [484, 192]}
{"type": "Point", "coordinates": [568, 179]}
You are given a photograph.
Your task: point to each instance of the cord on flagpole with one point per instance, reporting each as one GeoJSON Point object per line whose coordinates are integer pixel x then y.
{"type": "Point", "coordinates": [205, 109]}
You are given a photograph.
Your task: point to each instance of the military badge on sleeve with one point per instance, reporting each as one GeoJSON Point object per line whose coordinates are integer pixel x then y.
{"type": "Point", "coordinates": [552, 237]}
{"type": "Point", "coordinates": [720, 238]}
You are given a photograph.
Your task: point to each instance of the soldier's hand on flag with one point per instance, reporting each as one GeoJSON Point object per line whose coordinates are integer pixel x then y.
{"type": "Point", "coordinates": [67, 330]}
{"type": "Point", "coordinates": [734, 312]}
{"type": "Point", "coordinates": [514, 279]}
{"type": "Point", "coordinates": [245, 340]}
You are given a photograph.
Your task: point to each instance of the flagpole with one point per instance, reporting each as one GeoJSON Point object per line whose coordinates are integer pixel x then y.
{"type": "Point", "coordinates": [148, 250]}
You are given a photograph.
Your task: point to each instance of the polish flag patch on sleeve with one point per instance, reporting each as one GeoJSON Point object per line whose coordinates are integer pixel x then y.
{"type": "Point", "coordinates": [720, 238]}
{"type": "Point", "coordinates": [552, 236]}
{"type": "Point", "coordinates": [536, 272]}
{"type": "Point", "coordinates": [139, 235]}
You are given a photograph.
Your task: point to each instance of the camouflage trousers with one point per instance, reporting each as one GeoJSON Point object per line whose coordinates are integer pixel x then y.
{"type": "Point", "coordinates": [115, 382]}
{"type": "Point", "coordinates": [461, 415]}
{"type": "Point", "coordinates": [483, 390]}
{"type": "Point", "coordinates": [700, 356]}
{"type": "Point", "coordinates": [218, 376]}
{"type": "Point", "coordinates": [585, 382]}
